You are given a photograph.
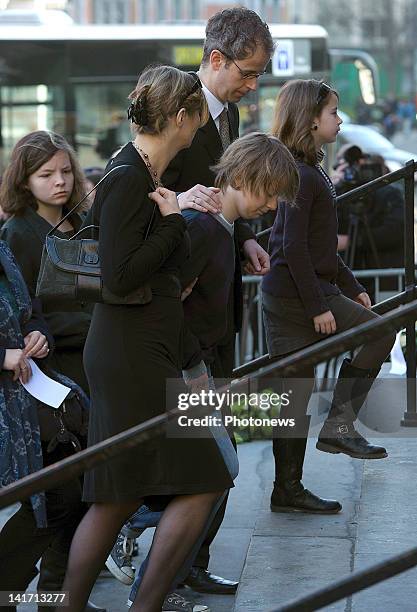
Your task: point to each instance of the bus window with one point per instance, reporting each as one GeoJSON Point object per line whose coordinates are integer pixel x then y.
{"type": "Point", "coordinates": [24, 109]}
{"type": "Point", "coordinates": [101, 122]}
{"type": "Point", "coordinates": [75, 80]}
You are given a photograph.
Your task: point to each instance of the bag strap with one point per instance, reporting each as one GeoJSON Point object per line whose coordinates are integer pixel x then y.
{"type": "Point", "coordinates": [74, 208]}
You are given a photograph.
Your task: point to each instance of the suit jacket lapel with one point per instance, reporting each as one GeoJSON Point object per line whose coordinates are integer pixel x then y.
{"type": "Point", "coordinates": [211, 139]}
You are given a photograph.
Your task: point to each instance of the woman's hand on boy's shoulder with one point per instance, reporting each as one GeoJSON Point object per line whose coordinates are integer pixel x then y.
{"type": "Point", "coordinates": [201, 198]}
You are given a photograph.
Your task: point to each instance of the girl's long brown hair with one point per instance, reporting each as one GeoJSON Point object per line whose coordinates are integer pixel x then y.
{"type": "Point", "coordinates": [297, 105]}
{"type": "Point", "coordinates": [28, 155]}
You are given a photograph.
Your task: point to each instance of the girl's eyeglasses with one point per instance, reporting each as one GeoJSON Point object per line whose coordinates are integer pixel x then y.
{"type": "Point", "coordinates": [243, 74]}
{"type": "Point", "coordinates": [323, 92]}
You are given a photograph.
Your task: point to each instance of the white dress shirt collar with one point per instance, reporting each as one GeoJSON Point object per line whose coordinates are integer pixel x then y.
{"type": "Point", "coordinates": [215, 106]}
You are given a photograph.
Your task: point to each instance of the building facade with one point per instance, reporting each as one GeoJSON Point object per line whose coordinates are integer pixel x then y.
{"type": "Point", "coordinates": [166, 11]}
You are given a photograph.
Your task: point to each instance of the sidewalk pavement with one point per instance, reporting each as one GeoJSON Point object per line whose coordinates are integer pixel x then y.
{"type": "Point", "coordinates": [278, 557]}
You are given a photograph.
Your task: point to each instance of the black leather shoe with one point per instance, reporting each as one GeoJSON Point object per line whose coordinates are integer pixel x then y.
{"type": "Point", "coordinates": [90, 607]}
{"type": "Point", "coordinates": [295, 498]}
{"type": "Point", "coordinates": [201, 581]}
{"type": "Point", "coordinates": [343, 438]}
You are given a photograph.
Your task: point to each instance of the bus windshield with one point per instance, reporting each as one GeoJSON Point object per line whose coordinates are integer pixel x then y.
{"type": "Point", "coordinates": [75, 79]}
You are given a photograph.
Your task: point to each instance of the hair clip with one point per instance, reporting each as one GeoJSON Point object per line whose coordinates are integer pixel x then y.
{"type": "Point", "coordinates": [137, 112]}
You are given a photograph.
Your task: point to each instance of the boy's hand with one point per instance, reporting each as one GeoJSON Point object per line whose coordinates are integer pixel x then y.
{"type": "Point", "coordinates": [258, 262]}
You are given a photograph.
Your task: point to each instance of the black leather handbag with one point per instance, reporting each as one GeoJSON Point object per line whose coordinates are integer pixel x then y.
{"type": "Point", "coordinates": [67, 424]}
{"type": "Point", "coordinates": [70, 268]}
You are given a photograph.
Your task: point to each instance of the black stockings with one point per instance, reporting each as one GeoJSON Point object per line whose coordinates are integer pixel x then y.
{"type": "Point", "coordinates": [178, 529]}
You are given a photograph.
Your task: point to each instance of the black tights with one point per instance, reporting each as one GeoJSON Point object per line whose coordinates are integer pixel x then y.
{"type": "Point", "coordinates": [178, 529]}
{"type": "Point", "coordinates": [371, 356]}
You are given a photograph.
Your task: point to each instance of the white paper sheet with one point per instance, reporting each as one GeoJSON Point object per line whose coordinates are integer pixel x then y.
{"type": "Point", "coordinates": [398, 364]}
{"type": "Point", "coordinates": [44, 388]}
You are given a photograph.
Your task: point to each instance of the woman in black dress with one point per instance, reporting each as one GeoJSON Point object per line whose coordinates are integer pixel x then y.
{"type": "Point", "coordinates": [132, 350]}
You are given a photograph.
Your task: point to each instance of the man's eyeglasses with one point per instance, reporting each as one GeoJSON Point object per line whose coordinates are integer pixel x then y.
{"type": "Point", "coordinates": [323, 92]}
{"type": "Point", "coordinates": [243, 74]}
{"type": "Point", "coordinates": [197, 85]}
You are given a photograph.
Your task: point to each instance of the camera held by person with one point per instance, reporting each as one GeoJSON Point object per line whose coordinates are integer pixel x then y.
{"type": "Point", "coordinates": [370, 228]}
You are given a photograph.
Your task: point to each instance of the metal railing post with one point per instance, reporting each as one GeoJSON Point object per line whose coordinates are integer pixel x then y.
{"type": "Point", "coordinates": [410, 415]}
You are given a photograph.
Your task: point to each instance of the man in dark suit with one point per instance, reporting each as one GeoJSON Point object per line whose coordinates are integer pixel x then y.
{"type": "Point", "coordinates": [237, 49]}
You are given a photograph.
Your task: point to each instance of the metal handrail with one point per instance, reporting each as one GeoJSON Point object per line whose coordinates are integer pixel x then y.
{"type": "Point", "coordinates": [355, 582]}
{"type": "Point", "coordinates": [381, 308]}
{"type": "Point", "coordinates": [359, 192]}
{"type": "Point", "coordinates": [99, 453]}
{"type": "Point", "coordinates": [407, 174]}
{"type": "Point", "coordinates": [365, 273]}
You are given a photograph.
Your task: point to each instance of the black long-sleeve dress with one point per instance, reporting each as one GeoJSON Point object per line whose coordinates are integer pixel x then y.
{"type": "Point", "coordinates": [131, 351]}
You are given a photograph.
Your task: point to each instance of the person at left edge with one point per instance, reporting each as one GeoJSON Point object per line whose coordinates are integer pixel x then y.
{"type": "Point", "coordinates": [42, 181]}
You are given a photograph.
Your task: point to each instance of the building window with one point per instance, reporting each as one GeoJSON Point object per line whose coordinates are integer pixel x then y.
{"type": "Point", "coordinates": [143, 11]}
{"type": "Point", "coordinates": [375, 28]}
{"type": "Point", "coordinates": [161, 10]}
{"type": "Point", "coordinates": [111, 11]}
{"type": "Point", "coordinates": [177, 9]}
{"type": "Point", "coordinates": [275, 11]}
{"type": "Point", "coordinates": [194, 9]}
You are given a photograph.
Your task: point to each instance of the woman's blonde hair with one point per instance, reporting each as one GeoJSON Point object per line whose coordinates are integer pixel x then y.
{"type": "Point", "coordinates": [28, 155]}
{"type": "Point", "coordinates": [160, 93]}
{"type": "Point", "coordinates": [298, 103]}
{"type": "Point", "coordinates": [259, 164]}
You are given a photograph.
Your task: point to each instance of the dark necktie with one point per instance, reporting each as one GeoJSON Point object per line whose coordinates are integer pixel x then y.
{"type": "Point", "coordinates": [224, 128]}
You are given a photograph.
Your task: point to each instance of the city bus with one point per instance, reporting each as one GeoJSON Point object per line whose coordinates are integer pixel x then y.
{"type": "Point", "coordinates": [75, 79]}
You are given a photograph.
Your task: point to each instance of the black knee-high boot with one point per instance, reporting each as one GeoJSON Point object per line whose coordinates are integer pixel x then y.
{"type": "Point", "coordinates": [338, 434]}
{"type": "Point", "coordinates": [289, 494]}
